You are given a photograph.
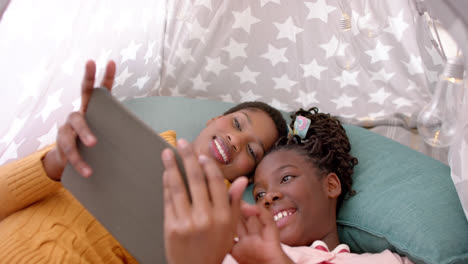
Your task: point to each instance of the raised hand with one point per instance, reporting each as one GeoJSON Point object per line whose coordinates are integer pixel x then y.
{"type": "Point", "coordinates": [66, 150]}
{"type": "Point", "coordinates": [201, 230]}
{"type": "Point", "coordinates": [259, 241]}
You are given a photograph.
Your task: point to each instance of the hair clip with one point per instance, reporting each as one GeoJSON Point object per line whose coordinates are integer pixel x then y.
{"type": "Point", "coordinates": [301, 126]}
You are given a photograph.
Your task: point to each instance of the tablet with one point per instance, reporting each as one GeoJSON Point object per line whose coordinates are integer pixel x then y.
{"type": "Point", "coordinates": [125, 192]}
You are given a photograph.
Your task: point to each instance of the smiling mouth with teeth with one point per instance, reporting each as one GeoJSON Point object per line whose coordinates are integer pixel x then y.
{"type": "Point", "coordinates": [221, 150]}
{"type": "Point", "coordinates": [281, 214]}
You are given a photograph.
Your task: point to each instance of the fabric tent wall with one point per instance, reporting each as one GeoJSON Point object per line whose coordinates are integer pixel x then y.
{"type": "Point", "coordinates": [277, 51]}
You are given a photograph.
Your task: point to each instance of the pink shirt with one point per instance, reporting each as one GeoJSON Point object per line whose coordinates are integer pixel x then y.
{"type": "Point", "coordinates": [318, 253]}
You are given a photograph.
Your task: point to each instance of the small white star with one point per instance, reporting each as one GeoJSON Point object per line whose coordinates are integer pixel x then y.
{"type": "Point", "coordinates": [411, 85]}
{"type": "Point", "coordinates": [435, 55]}
{"type": "Point", "coordinates": [379, 97]}
{"type": "Point", "coordinates": [376, 115]}
{"type": "Point", "coordinates": [313, 69]}
{"type": "Point", "coordinates": [284, 83]}
{"type": "Point", "coordinates": [288, 30]}
{"type": "Point", "coordinates": [414, 65]}
{"type": "Point", "coordinates": [149, 51]}
{"type": "Point", "coordinates": [123, 76]}
{"type": "Point", "coordinates": [275, 55]}
{"type": "Point", "coordinates": [244, 19]}
{"type": "Point", "coordinates": [48, 138]}
{"type": "Point", "coordinates": [264, 2]}
{"type": "Point", "coordinates": [129, 53]}
{"type": "Point", "coordinates": [380, 53]}
{"type": "Point", "coordinates": [249, 96]}
{"type": "Point", "coordinates": [343, 101]}
{"type": "Point", "coordinates": [184, 54]}
{"type": "Point", "coordinates": [401, 102]}
{"type": "Point", "coordinates": [347, 78]}
{"type": "Point", "coordinates": [307, 99]}
{"type": "Point", "coordinates": [236, 49]}
{"type": "Point", "coordinates": [141, 82]}
{"type": "Point", "coordinates": [196, 31]}
{"type": "Point", "coordinates": [330, 47]}
{"type": "Point", "coordinates": [13, 130]}
{"type": "Point", "coordinates": [227, 98]}
{"type": "Point", "coordinates": [205, 3]}
{"type": "Point", "coordinates": [247, 75]}
{"type": "Point", "coordinates": [319, 10]}
{"type": "Point", "coordinates": [278, 105]}
{"type": "Point", "coordinates": [170, 69]}
{"type": "Point", "coordinates": [381, 75]}
{"type": "Point", "coordinates": [199, 83]}
{"type": "Point", "coordinates": [53, 103]}
{"type": "Point", "coordinates": [214, 65]}
{"type": "Point", "coordinates": [11, 151]}
{"type": "Point", "coordinates": [396, 26]}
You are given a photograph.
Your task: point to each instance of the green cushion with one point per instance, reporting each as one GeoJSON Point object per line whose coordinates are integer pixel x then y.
{"type": "Point", "coordinates": [406, 201]}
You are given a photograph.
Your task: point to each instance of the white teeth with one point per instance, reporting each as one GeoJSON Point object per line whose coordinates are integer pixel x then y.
{"type": "Point", "coordinates": [221, 150]}
{"type": "Point", "coordinates": [280, 215]}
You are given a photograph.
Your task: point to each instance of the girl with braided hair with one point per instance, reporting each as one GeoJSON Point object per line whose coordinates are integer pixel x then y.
{"type": "Point", "coordinates": [299, 187]}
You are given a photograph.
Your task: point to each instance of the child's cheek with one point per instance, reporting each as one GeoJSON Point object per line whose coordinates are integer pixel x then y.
{"type": "Point", "coordinates": [245, 165]}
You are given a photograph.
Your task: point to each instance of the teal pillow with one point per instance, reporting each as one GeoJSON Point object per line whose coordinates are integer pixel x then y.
{"type": "Point", "coordinates": [405, 201]}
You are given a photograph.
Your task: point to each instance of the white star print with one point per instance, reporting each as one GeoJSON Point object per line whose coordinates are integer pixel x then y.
{"type": "Point", "coordinates": [343, 101]}
{"type": "Point", "coordinates": [244, 20]}
{"type": "Point", "coordinates": [13, 130]}
{"type": "Point", "coordinates": [184, 54]}
{"type": "Point", "coordinates": [381, 75]}
{"type": "Point", "coordinates": [227, 98]}
{"type": "Point", "coordinates": [170, 69]}
{"type": "Point", "coordinates": [249, 96]}
{"type": "Point", "coordinates": [307, 99]}
{"type": "Point", "coordinates": [196, 31]}
{"type": "Point", "coordinates": [288, 30]}
{"type": "Point", "coordinates": [199, 83]}
{"type": "Point", "coordinates": [411, 85]}
{"type": "Point", "coordinates": [396, 26]}
{"type": "Point", "coordinates": [149, 51]}
{"type": "Point", "coordinates": [236, 49]}
{"type": "Point", "coordinates": [380, 53]}
{"type": "Point", "coordinates": [379, 97]}
{"type": "Point", "coordinates": [319, 10]}
{"type": "Point", "coordinates": [205, 3]}
{"type": "Point", "coordinates": [247, 75]}
{"type": "Point", "coordinates": [436, 58]}
{"type": "Point", "coordinates": [377, 114]}
{"type": "Point", "coordinates": [53, 103]}
{"type": "Point", "coordinates": [284, 82]}
{"type": "Point", "coordinates": [401, 102]}
{"type": "Point", "coordinates": [141, 82]}
{"type": "Point", "coordinates": [330, 47]}
{"type": "Point", "coordinates": [278, 105]}
{"type": "Point", "coordinates": [130, 52]}
{"type": "Point", "coordinates": [48, 138]}
{"type": "Point", "coordinates": [214, 65]}
{"type": "Point", "coordinates": [414, 66]}
{"type": "Point", "coordinates": [313, 69]}
{"type": "Point", "coordinates": [123, 76]}
{"type": "Point", "coordinates": [347, 78]}
{"type": "Point", "coordinates": [275, 55]}
{"type": "Point", "coordinates": [11, 152]}
{"type": "Point", "coordinates": [175, 91]}
{"type": "Point", "coordinates": [264, 2]}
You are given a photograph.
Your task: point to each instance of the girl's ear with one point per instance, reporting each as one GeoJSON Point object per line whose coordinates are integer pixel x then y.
{"type": "Point", "coordinates": [212, 119]}
{"type": "Point", "coordinates": [334, 185]}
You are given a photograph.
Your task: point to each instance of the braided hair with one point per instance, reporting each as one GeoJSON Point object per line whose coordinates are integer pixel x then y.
{"type": "Point", "coordinates": [326, 145]}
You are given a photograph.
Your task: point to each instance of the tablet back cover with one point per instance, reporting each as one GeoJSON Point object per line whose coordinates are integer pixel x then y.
{"type": "Point", "coordinates": [125, 192]}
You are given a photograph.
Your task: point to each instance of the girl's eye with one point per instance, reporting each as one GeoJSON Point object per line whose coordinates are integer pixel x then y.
{"type": "Point", "coordinates": [252, 153]}
{"type": "Point", "coordinates": [259, 196]}
{"type": "Point", "coordinates": [286, 178]}
{"type": "Point", "coordinates": [236, 123]}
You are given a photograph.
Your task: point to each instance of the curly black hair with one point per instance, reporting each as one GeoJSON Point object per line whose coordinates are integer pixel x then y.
{"type": "Point", "coordinates": [326, 145]}
{"type": "Point", "coordinates": [272, 112]}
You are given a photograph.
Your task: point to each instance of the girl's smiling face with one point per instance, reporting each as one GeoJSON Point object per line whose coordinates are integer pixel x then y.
{"type": "Point", "coordinates": [301, 199]}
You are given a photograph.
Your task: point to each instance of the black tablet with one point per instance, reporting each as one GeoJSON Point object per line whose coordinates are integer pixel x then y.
{"type": "Point", "coordinates": [125, 192]}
